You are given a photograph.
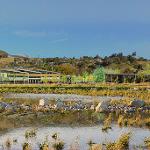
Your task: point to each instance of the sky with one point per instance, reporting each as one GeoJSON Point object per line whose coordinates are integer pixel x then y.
{"type": "Point", "coordinates": [74, 28]}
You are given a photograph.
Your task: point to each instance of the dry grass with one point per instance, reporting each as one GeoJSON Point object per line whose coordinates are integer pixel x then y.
{"type": "Point", "coordinates": [6, 61]}
{"type": "Point", "coordinates": [5, 124]}
{"type": "Point", "coordinates": [129, 91]}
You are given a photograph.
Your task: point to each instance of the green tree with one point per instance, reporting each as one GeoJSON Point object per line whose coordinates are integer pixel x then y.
{"type": "Point", "coordinates": [85, 76]}
{"type": "Point", "coordinates": [63, 79]}
{"type": "Point", "coordinates": [99, 75]}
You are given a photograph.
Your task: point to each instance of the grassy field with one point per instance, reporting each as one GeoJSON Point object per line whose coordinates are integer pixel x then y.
{"type": "Point", "coordinates": [10, 120]}
{"type": "Point", "coordinates": [32, 118]}
{"type": "Point", "coordinates": [6, 61]}
{"type": "Point", "coordinates": [131, 91]}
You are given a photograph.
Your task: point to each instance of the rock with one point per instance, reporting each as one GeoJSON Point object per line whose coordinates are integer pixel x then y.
{"type": "Point", "coordinates": [59, 104]}
{"type": "Point", "coordinates": [137, 103]}
{"type": "Point", "coordinates": [136, 89]}
{"type": "Point", "coordinates": [102, 106]}
{"type": "Point", "coordinates": [9, 107]}
{"type": "Point", "coordinates": [3, 105]}
{"type": "Point", "coordinates": [92, 107]}
{"type": "Point", "coordinates": [42, 102]}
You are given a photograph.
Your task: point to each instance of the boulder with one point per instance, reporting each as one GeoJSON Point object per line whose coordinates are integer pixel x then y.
{"type": "Point", "coordinates": [137, 103]}
{"type": "Point", "coordinates": [59, 104]}
{"type": "Point", "coordinates": [92, 107]}
{"type": "Point", "coordinates": [3, 105]}
{"type": "Point", "coordinates": [102, 106]}
{"type": "Point", "coordinates": [43, 102]}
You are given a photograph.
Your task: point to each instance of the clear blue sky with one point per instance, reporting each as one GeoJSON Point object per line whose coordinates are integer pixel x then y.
{"type": "Point", "coordinates": [49, 28]}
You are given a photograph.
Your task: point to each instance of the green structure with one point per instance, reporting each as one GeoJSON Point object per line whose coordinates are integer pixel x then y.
{"type": "Point", "coordinates": [28, 76]}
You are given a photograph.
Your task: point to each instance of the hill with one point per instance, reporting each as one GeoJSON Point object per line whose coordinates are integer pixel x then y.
{"type": "Point", "coordinates": [3, 54]}
{"type": "Point", "coordinates": [115, 63]}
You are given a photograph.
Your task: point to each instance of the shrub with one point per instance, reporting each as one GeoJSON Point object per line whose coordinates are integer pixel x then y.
{"type": "Point", "coordinates": [44, 146]}
{"type": "Point", "coordinates": [110, 146]}
{"type": "Point", "coordinates": [123, 142]}
{"type": "Point", "coordinates": [58, 145]}
{"type": "Point", "coordinates": [30, 133]}
{"type": "Point", "coordinates": [26, 146]}
{"type": "Point", "coordinates": [147, 142]}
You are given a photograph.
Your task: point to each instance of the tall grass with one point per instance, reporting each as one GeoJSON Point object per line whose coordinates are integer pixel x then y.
{"type": "Point", "coordinates": [129, 90]}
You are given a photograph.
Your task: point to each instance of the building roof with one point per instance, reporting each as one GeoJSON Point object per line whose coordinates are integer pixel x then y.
{"type": "Point", "coordinates": [27, 71]}
{"type": "Point", "coordinates": [48, 72]}
{"type": "Point", "coordinates": [11, 71]}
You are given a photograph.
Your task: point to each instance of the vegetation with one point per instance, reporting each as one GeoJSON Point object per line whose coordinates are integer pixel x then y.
{"type": "Point", "coordinates": [121, 144]}
{"type": "Point", "coordinates": [78, 66]}
{"type": "Point", "coordinates": [88, 78]}
{"type": "Point", "coordinates": [26, 146]}
{"type": "Point", "coordinates": [99, 75]}
{"type": "Point", "coordinates": [58, 145]}
{"type": "Point", "coordinates": [30, 133]}
{"type": "Point", "coordinates": [147, 142]}
{"type": "Point", "coordinates": [69, 118]}
{"type": "Point", "coordinates": [84, 117]}
{"type": "Point", "coordinates": [128, 91]}
{"type": "Point", "coordinates": [35, 119]}
{"type": "Point", "coordinates": [136, 119]}
{"type": "Point", "coordinates": [44, 146]}
{"type": "Point", "coordinates": [3, 54]}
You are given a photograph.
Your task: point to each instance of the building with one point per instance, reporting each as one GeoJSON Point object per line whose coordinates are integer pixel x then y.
{"type": "Point", "coordinates": [28, 76]}
{"type": "Point", "coordinates": [127, 77]}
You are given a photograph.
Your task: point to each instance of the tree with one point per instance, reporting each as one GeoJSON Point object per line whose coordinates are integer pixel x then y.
{"type": "Point", "coordinates": [133, 54]}
{"type": "Point", "coordinates": [131, 59]}
{"type": "Point", "coordinates": [67, 69]}
{"type": "Point", "coordinates": [99, 75]}
{"type": "Point", "coordinates": [85, 76]}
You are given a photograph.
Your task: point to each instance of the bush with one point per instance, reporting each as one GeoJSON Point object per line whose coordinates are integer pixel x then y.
{"type": "Point", "coordinates": [26, 146]}
{"type": "Point", "coordinates": [147, 142]}
{"type": "Point", "coordinates": [58, 145]}
{"type": "Point", "coordinates": [44, 146]}
{"type": "Point", "coordinates": [123, 142]}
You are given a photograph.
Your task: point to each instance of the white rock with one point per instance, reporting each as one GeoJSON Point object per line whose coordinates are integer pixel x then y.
{"type": "Point", "coordinates": [92, 107]}
{"type": "Point", "coordinates": [102, 106]}
{"type": "Point", "coordinates": [41, 102]}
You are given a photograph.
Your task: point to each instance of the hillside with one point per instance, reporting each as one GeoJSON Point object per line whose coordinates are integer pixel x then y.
{"type": "Point", "coordinates": [3, 54]}
{"type": "Point", "coordinates": [115, 63]}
